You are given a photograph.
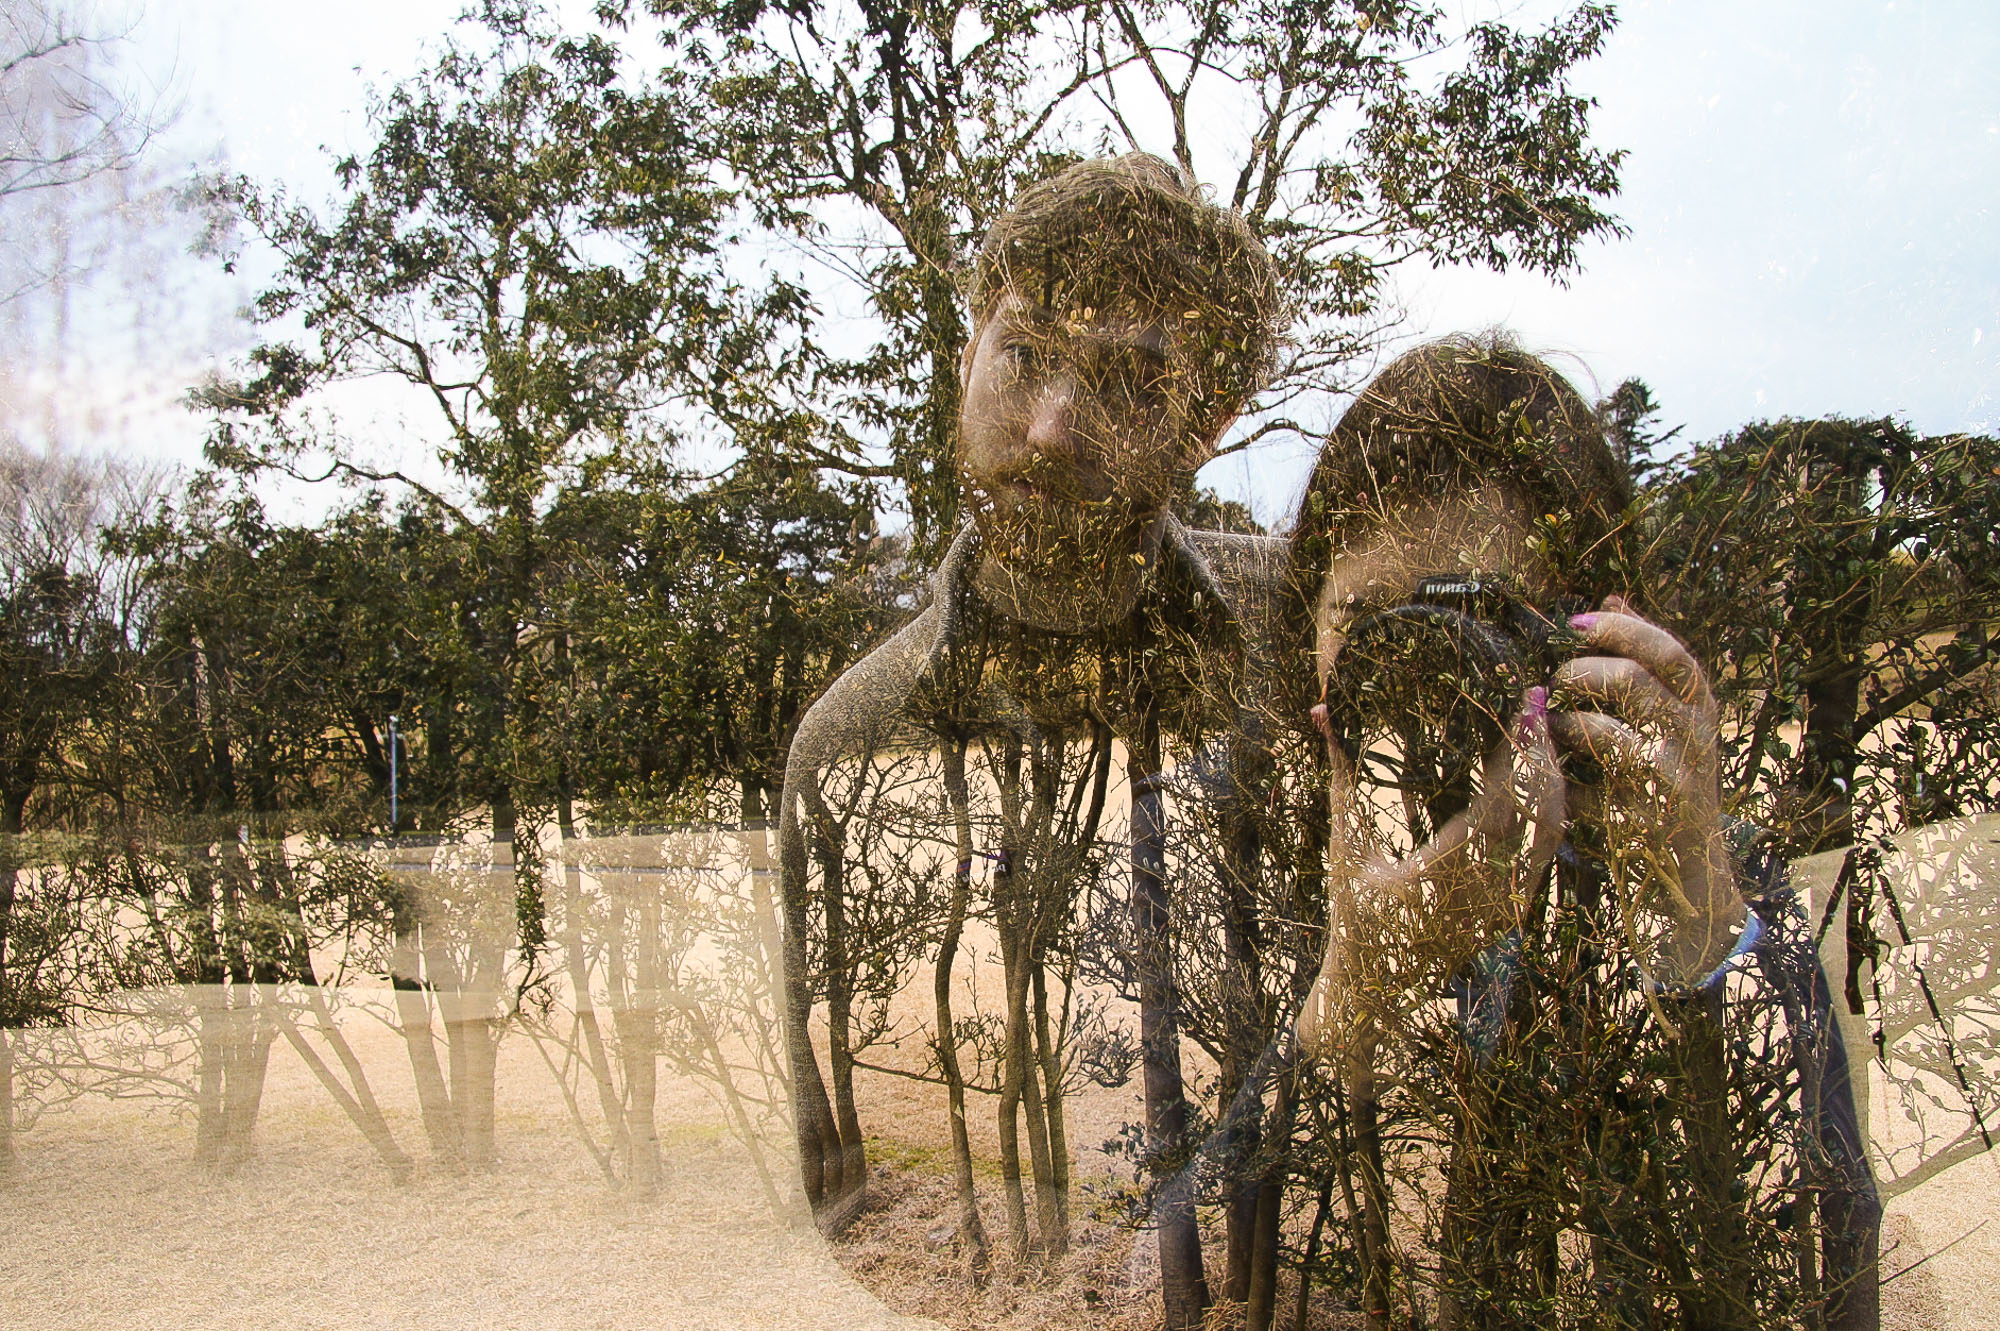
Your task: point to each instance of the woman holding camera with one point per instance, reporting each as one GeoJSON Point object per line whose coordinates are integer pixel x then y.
{"type": "Point", "coordinates": [1526, 818]}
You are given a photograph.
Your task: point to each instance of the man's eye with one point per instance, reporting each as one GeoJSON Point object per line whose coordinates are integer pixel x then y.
{"type": "Point", "coordinates": [1141, 382]}
{"type": "Point", "coordinates": [1024, 356]}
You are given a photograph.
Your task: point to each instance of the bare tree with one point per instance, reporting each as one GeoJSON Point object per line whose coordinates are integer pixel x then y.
{"type": "Point", "coordinates": [100, 319]}
{"type": "Point", "coordinates": [66, 119]}
{"type": "Point", "coordinates": [72, 134]}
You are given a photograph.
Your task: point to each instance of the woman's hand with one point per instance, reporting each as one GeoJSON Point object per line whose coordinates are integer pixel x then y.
{"type": "Point", "coordinates": [1394, 921]}
{"type": "Point", "coordinates": [1654, 731]}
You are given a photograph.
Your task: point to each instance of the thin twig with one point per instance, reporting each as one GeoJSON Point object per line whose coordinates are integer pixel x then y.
{"type": "Point", "coordinates": [1940, 1252]}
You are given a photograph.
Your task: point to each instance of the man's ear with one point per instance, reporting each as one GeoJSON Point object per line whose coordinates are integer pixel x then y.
{"type": "Point", "coordinates": [1210, 440]}
{"type": "Point", "coordinates": [965, 356]}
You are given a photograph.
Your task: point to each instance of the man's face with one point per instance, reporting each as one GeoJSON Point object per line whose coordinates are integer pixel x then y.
{"type": "Point", "coordinates": [1073, 427]}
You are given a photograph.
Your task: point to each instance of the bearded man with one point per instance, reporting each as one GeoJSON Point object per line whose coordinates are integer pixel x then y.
{"type": "Point", "coordinates": [1120, 322]}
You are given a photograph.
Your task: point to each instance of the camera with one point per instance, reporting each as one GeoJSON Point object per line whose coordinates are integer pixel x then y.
{"type": "Point", "coordinates": [1423, 691]}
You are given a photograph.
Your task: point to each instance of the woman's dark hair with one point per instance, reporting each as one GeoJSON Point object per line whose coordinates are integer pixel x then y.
{"type": "Point", "coordinates": [1455, 415]}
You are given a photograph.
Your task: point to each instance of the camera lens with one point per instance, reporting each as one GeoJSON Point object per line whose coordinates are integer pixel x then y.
{"type": "Point", "coordinates": [1420, 694]}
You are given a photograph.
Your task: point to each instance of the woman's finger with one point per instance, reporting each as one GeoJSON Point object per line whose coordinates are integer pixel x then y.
{"type": "Point", "coordinates": [1539, 777]}
{"type": "Point", "coordinates": [1658, 651]}
{"type": "Point", "coordinates": [1616, 746]}
{"type": "Point", "coordinates": [1621, 684]}
{"type": "Point", "coordinates": [1521, 791]}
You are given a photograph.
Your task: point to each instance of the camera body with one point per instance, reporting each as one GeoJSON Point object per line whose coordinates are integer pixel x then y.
{"type": "Point", "coordinates": [1423, 691]}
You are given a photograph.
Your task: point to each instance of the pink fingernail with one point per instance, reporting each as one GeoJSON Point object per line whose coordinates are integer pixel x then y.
{"type": "Point", "coordinates": [1534, 714]}
{"type": "Point", "coordinates": [1583, 623]}
{"type": "Point", "coordinates": [1323, 721]}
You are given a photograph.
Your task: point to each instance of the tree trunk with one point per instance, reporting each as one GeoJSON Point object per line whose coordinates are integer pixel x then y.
{"type": "Point", "coordinates": [1018, 1092]}
{"type": "Point", "coordinates": [851, 1193]}
{"type": "Point", "coordinates": [1246, 1012]}
{"type": "Point", "coordinates": [577, 962]}
{"type": "Point", "coordinates": [208, 1127]}
{"type": "Point", "coordinates": [1260, 1304]}
{"type": "Point", "coordinates": [413, 1022]}
{"type": "Point", "coordinates": [971, 1230]}
{"type": "Point", "coordinates": [1183, 1284]}
{"type": "Point", "coordinates": [247, 1057]}
{"type": "Point", "coordinates": [1012, 1201]}
{"type": "Point", "coordinates": [208, 987]}
{"type": "Point", "coordinates": [638, 1137]}
{"type": "Point", "coordinates": [757, 852]}
{"type": "Point", "coordinates": [13, 805]}
{"type": "Point", "coordinates": [1056, 1212]}
{"type": "Point", "coordinates": [1366, 1154]}
{"type": "Point", "coordinates": [1721, 1297]}
{"type": "Point", "coordinates": [475, 1088]}
{"type": "Point", "coordinates": [636, 1011]}
{"type": "Point", "coordinates": [1850, 1209]}
{"type": "Point", "coordinates": [1039, 1160]}
{"type": "Point", "coordinates": [812, 1113]}
{"type": "Point", "coordinates": [471, 1056]}
{"type": "Point", "coordinates": [357, 1103]}
{"type": "Point", "coordinates": [465, 1004]}
{"type": "Point", "coordinates": [1830, 755]}
{"type": "Point", "coordinates": [7, 1153]}
{"type": "Point", "coordinates": [1300, 1302]}
{"type": "Point", "coordinates": [1239, 1216]}
{"type": "Point", "coordinates": [1014, 881]}
{"type": "Point", "coordinates": [233, 1047]}
{"type": "Point", "coordinates": [932, 479]}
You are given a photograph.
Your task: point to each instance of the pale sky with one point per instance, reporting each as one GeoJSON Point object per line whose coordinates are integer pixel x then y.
{"type": "Point", "coordinates": [1812, 193]}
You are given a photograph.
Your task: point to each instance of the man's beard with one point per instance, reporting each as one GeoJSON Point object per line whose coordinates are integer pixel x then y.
{"type": "Point", "coordinates": [1063, 566]}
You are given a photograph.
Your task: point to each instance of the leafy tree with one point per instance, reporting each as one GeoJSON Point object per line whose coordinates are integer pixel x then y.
{"type": "Point", "coordinates": [236, 686]}
{"type": "Point", "coordinates": [696, 625]}
{"type": "Point", "coordinates": [1844, 577]}
{"type": "Point", "coordinates": [533, 246]}
{"type": "Point", "coordinates": [1631, 419]}
{"type": "Point", "coordinates": [743, 598]}
{"type": "Point", "coordinates": [218, 771]}
{"type": "Point", "coordinates": [1841, 576]}
{"type": "Point", "coordinates": [59, 619]}
{"type": "Point", "coordinates": [888, 137]}
{"type": "Point", "coordinates": [65, 606]}
{"type": "Point", "coordinates": [530, 245]}
{"type": "Point", "coordinates": [394, 644]}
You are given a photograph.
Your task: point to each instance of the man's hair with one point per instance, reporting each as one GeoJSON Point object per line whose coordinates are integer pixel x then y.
{"type": "Point", "coordinates": [1455, 415]}
{"type": "Point", "coordinates": [1133, 231]}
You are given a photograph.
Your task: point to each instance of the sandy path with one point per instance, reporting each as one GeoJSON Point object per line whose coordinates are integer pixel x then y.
{"type": "Point", "coordinates": [1940, 1240]}
{"type": "Point", "coordinates": [110, 1226]}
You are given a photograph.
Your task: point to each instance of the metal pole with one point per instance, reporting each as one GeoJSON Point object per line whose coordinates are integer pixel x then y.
{"type": "Point", "coordinates": [392, 774]}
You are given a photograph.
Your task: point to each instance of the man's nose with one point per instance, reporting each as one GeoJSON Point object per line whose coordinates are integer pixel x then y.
{"type": "Point", "coordinates": [1058, 424]}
